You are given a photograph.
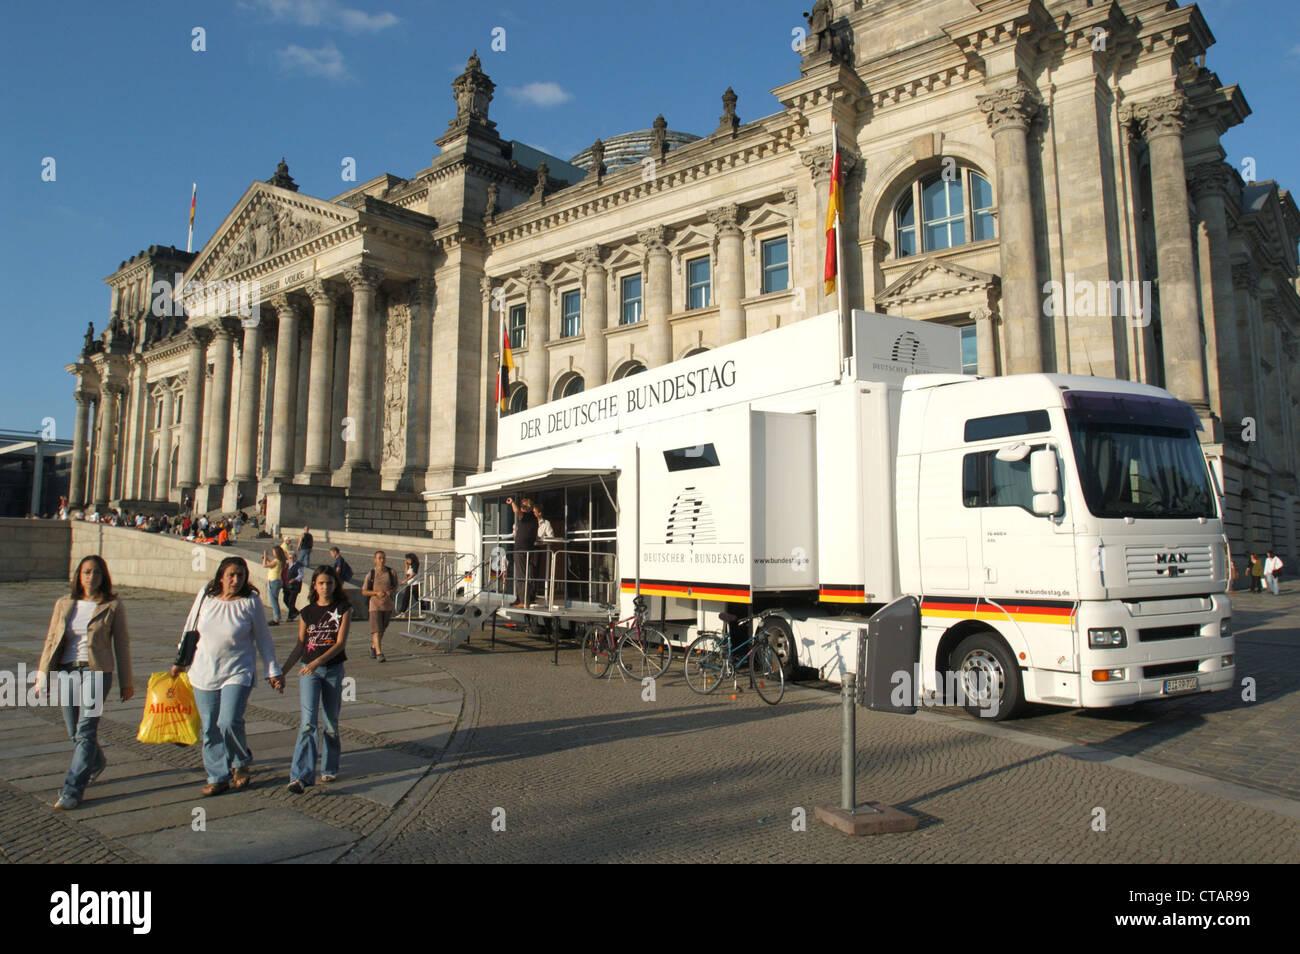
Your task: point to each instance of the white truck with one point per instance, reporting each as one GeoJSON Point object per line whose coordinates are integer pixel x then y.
{"type": "Point", "coordinates": [1062, 533]}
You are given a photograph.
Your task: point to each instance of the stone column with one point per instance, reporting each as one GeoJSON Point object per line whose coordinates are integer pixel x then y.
{"type": "Point", "coordinates": [658, 295]}
{"type": "Point", "coordinates": [339, 405]}
{"type": "Point", "coordinates": [320, 386]}
{"type": "Point", "coordinates": [1210, 184]}
{"type": "Point", "coordinates": [192, 410]}
{"type": "Point", "coordinates": [359, 427]}
{"type": "Point", "coordinates": [223, 351]}
{"type": "Point", "coordinates": [1248, 380]}
{"type": "Point", "coordinates": [110, 394]}
{"type": "Point", "coordinates": [595, 313]}
{"type": "Point", "coordinates": [418, 389]}
{"type": "Point", "coordinates": [537, 365]}
{"type": "Point", "coordinates": [250, 380]}
{"type": "Point", "coordinates": [77, 480]}
{"type": "Point", "coordinates": [1010, 112]}
{"type": "Point", "coordinates": [135, 417]}
{"type": "Point", "coordinates": [731, 273]}
{"type": "Point", "coordinates": [1161, 122]}
{"type": "Point", "coordinates": [163, 476]}
{"type": "Point", "coordinates": [284, 413]}
{"type": "Point", "coordinates": [984, 338]}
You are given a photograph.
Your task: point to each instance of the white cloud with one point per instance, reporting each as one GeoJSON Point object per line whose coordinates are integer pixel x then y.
{"type": "Point", "coordinates": [325, 13]}
{"type": "Point", "coordinates": [541, 94]}
{"type": "Point", "coordinates": [326, 62]}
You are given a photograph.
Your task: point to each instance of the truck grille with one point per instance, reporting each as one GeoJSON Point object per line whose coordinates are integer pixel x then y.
{"type": "Point", "coordinates": [1167, 632]}
{"type": "Point", "coordinates": [1153, 564]}
{"type": "Point", "coordinates": [1170, 669]}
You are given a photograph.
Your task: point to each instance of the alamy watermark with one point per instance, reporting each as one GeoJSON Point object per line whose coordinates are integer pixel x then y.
{"type": "Point", "coordinates": [1088, 299]}
{"type": "Point", "coordinates": [178, 297]}
{"type": "Point", "coordinates": [975, 688]}
{"type": "Point", "coordinates": [81, 688]}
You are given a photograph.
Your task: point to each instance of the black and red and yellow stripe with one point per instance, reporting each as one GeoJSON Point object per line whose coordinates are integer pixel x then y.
{"type": "Point", "coordinates": [726, 592]}
{"type": "Point", "coordinates": [1020, 610]}
{"type": "Point", "coordinates": [836, 593]}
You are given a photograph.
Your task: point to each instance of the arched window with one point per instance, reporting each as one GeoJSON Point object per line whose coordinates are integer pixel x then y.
{"type": "Point", "coordinates": [568, 386]}
{"type": "Point", "coordinates": [628, 368]}
{"type": "Point", "coordinates": [954, 209]}
{"type": "Point", "coordinates": [518, 400]}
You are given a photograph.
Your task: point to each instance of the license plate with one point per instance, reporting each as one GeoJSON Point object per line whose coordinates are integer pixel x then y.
{"type": "Point", "coordinates": [1181, 685]}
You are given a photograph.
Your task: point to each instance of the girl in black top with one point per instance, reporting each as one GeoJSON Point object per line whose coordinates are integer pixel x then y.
{"type": "Point", "coordinates": [322, 635]}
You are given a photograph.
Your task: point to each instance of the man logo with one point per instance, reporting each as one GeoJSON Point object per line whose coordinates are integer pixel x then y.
{"type": "Point", "coordinates": [908, 349]}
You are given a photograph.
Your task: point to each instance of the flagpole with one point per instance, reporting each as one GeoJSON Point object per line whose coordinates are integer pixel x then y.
{"type": "Point", "coordinates": [839, 248]}
{"type": "Point", "coordinates": [194, 197]}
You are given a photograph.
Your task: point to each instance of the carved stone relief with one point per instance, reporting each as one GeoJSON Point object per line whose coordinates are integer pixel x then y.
{"type": "Point", "coordinates": [395, 384]}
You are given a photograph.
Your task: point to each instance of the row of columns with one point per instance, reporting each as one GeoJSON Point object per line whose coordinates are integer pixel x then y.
{"type": "Point", "coordinates": [207, 409]}
{"type": "Point", "coordinates": [728, 286]}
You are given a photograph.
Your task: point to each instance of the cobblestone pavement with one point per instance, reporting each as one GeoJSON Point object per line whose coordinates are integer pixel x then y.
{"type": "Point", "coordinates": [547, 764]}
{"type": "Point", "coordinates": [143, 807]}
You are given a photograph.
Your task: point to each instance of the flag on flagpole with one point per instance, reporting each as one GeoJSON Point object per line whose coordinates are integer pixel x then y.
{"type": "Point", "coordinates": [833, 217]}
{"type": "Point", "coordinates": [194, 198]}
{"type": "Point", "coordinates": [507, 365]}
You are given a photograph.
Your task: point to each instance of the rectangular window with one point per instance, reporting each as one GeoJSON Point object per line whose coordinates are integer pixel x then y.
{"type": "Point", "coordinates": [691, 458]}
{"type": "Point", "coordinates": [969, 351]}
{"type": "Point", "coordinates": [776, 265]}
{"type": "Point", "coordinates": [981, 203]}
{"type": "Point", "coordinates": [571, 312]}
{"type": "Point", "coordinates": [518, 326]}
{"type": "Point", "coordinates": [989, 482]}
{"type": "Point", "coordinates": [699, 287]}
{"type": "Point", "coordinates": [1007, 425]}
{"type": "Point", "coordinates": [631, 299]}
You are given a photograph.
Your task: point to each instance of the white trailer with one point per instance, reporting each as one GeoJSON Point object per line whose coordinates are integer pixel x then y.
{"type": "Point", "coordinates": [1061, 532]}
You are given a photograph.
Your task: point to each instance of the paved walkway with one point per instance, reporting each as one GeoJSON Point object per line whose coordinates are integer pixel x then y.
{"type": "Point", "coordinates": [547, 764]}
{"type": "Point", "coordinates": [143, 807]}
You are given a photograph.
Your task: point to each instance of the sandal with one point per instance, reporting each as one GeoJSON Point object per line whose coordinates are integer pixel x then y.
{"type": "Point", "coordinates": [381, 658]}
{"type": "Point", "coordinates": [297, 787]}
{"type": "Point", "coordinates": [328, 778]}
{"type": "Point", "coordinates": [241, 778]}
{"type": "Point", "coordinates": [216, 788]}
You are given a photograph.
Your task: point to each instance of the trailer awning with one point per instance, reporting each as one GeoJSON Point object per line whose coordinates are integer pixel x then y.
{"type": "Point", "coordinates": [524, 480]}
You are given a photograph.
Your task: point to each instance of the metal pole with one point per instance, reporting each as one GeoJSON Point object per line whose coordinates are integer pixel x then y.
{"type": "Point", "coordinates": [848, 745]}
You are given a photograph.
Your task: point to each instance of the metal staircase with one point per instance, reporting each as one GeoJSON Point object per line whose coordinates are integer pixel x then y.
{"type": "Point", "coordinates": [449, 606]}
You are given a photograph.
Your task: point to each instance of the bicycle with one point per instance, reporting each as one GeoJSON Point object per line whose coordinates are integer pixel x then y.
{"type": "Point", "coordinates": [640, 650]}
{"type": "Point", "coordinates": [711, 659]}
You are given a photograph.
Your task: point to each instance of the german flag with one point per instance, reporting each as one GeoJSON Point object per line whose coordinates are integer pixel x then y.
{"type": "Point", "coordinates": [507, 365]}
{"type": "Point", "coordinates": [832, 220]}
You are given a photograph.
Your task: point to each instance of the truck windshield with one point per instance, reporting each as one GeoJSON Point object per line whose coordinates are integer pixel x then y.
{"type": "Point", "coordinates": [1138, 456]}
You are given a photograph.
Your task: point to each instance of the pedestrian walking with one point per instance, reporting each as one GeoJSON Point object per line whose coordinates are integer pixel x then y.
{"type": "Point", "coordinates": [379, 585]}
{"type": "Point", "coordinates": [274, 564]}
{"type": "Point", "coordinates": [231, 624]}
{"type": "Point", "coordinates": [304, 547]}
{"type": "Point", "coordinates": [1256, 574]}
{"type": "Point", "coordinates": [342, 569]}
{"type": "Point", "coordinates": [409, 591]}
{"type": "Point", "coordinates": [1272, 567]}
{"type": "Point", "coordinates": [293, 576]}
{"type": "Point", "coordinates": [322, 638]}
{"type": "Point", "coordinates": [86, 639]}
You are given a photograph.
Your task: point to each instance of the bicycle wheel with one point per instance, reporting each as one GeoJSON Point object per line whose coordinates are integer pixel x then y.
{"type": "Point", "coordinates": [647, 654]}
{"type": "Point", "coordinates": [765, 670]}
{"type": "Point", "coordinates": [706, 660]}
{"type": "Point", "coordinates": [597, 650]}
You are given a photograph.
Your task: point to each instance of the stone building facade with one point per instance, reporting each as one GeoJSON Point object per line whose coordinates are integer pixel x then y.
{"type": "Point", "coordinates": [1047, 176]}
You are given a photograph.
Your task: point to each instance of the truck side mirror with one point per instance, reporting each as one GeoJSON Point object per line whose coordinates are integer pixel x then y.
{"type": "Point", "coordinates": [1046, 505]}
{"type": "Point", "coordinates": [1043, 475]}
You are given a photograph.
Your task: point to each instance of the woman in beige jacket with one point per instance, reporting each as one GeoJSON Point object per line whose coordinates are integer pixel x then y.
{"type": "Point", "coordinates": [87, 635]}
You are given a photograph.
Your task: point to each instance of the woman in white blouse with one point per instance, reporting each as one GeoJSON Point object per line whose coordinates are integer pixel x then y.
{"type": "Point", "coordinates": [232, 630]}
{"type": "Point", "coordinates": [87, 634]}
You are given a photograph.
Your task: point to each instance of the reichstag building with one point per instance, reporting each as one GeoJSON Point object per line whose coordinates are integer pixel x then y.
{"type": "Point", "coordinates": [1048, 177]}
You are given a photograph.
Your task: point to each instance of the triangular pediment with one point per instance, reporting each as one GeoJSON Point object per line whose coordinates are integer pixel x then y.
{"type": "Point", "coordinates": [266, 222]}
{"type": "Point", "coordinates": [935, 278]}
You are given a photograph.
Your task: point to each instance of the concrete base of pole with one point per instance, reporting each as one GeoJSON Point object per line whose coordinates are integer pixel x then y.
{"type": "Point", "coordinates": [869, 818]}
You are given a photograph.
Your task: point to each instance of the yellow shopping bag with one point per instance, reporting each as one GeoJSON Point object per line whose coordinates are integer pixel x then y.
{"type": "Point", "coordinates": [170, 714]}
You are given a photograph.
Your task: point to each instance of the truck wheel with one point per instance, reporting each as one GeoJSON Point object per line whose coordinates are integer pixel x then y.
{"type": "Point", "coordinates": [781, 638]}
{"type": "Point", "coordinates": [988, 679]}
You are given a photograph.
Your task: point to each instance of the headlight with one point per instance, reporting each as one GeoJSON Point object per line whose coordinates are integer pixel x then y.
{"type": "Point", "coordinates": [1108, 675]}
{"type": "Point", "coordinates": [1107, 639]}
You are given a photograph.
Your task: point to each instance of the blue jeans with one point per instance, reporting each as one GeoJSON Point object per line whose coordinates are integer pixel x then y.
{"type": "Point", "coordinates": [274, 588]}
{"type": "Point", "coordinates": [83, 729]}
{"type": "Point", "coordinates": [224, 744]}
{"type": "Point", "coordinates": [304, 557]}
{"type": "Point", "coordinates": [323, 688]}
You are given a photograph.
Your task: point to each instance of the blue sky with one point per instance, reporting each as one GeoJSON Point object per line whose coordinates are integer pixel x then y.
{"type": "Point", "coordinates": [132, 114]}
